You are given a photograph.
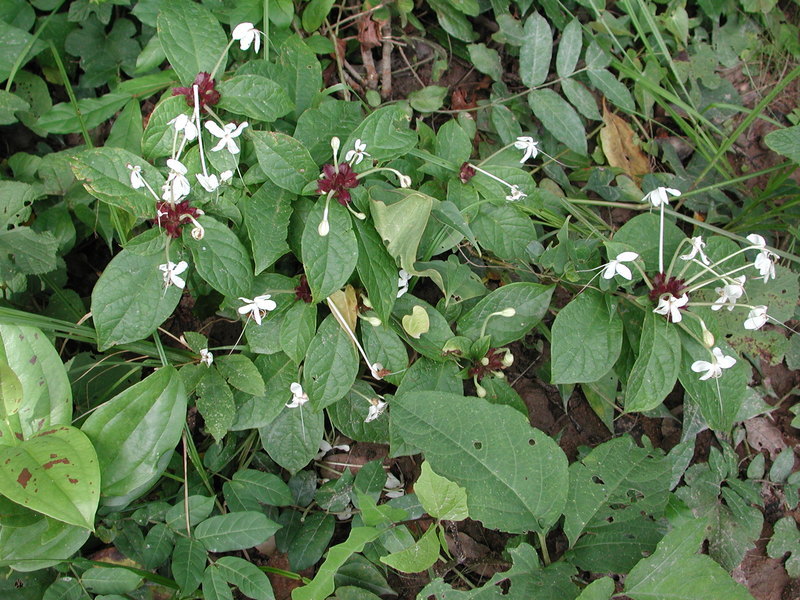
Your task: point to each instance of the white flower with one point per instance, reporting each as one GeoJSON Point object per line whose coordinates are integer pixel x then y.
{"type": "Point", "coordinates": [729, 293]}
{"type": "Point", "coordinates": [714, 368]}
{"type": "Point", "coordinates": [405, 181]}
{"type": "Point", "coordinates": [226, 135]}
{"type": "Point", "coordinates": [697, 248]}
{"type": "Point", "coordinates": [403, 277]}
{"type": "Point", "coordinates": [756, 318]}
{"type": "Point", "coordinates": [257, 307]}
{"type": "Point", "coordinates": [375, 410]}
{"type": "Point", "coordinates": [527, 144]}
{"type": "Point", "coordinates": [206, 357]}
{"type": "Point", "coordinates": [299, 397]}
{"type": "Point", "coordinates": [177, 185]}
{"type": "Point", "coordinates": [670, 305]}
{"type": "Point", "coordinates": [172, 271]}
{"type": "Point", "coordinates": [516, 194]}
{"type": "Point", "coordinates": [209, 182]}
{"type": "Point", "coordinates": [246, 34]}
{"type": "Point", "coordinates": [394, 485]}
{"type": "Point", "coordinates": [765, 264]}
{"type": "Point", "coordinates": [375, 370]}
{"type": "Point", "coordinates": [324, 446]}
{"type": "Point", "coordinates": [136, 176]}
{"type": "Point", "coordinates": [356, 155]}
{"type": "Point", "coordinates": [615, 267]}
{"type": "Point", "coordinates": [182, 123]}
{"type": "Point", "coordinates": [759, 243]}
{"type": "Point", "coordinates": [226, 176]}
{"type": "Point", "coordinates": [660, 196]}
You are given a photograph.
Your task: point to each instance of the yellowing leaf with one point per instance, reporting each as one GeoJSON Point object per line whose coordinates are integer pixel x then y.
{"type": "Point", "coordinates": [347, 304]}
{"type": "Point", "coordinates": [417, 322]}
{"type": "Point", "coordinates": [620, 147]}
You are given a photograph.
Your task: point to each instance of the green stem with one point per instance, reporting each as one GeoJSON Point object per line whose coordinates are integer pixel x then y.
{"type": "Point", "coordinates": [543, 544]}
{"type": "Point", "coordinates": [29, 45]}
{"type": "Point", "coordinates": [71, 93]}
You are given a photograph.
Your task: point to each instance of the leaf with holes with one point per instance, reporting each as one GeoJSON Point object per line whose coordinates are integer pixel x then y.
{"type": "Point", "coordinates": [515, 476]}
{"type": "Point", "coordinates": [55, 473]}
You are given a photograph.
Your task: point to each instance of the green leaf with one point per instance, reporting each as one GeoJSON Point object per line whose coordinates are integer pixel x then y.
{"type": "Point", "coordinates": [453, 21]}
{"type": "Point", "coordinates": [428, 99]}
{"type": "Point", "coordinates": [419, 557]}
{"type": "Point", "coordinates": [191, 37]}
{"type": "Point", "coordinates": [188, 562]}
{"type": "Point", "coordinates": [297, 330]}
{"type": "Point", "coordinates": [331, 365]}
{"type": "Point", "coordinates": [314, 14]}
{"type": "Point", "coordinates": [104, 580]}
{"type": "Point", "coordinates": [384, 346]}
{"type": "Point", "coordinates": [785, 141]}
{"type": "Point", "coordinates": [10, 104]}
{"type": "Point", "coordinates": [297, 70]}
{"type": "Point", "coordinates": [486, 60]}
{"type": "Point", "coordinates": [305, 539]}
{"type": "Point", "coordinates": [129, 301]}
{"type": "Point", "coordinates": [322, 585]}
{"type": "Point", "coordinates": [581, 98]}
{"type": "Point", "coordinates": [440, 497]}
{"type": "Point", "coordinates": [529, 301]}
{"type": "Point", "coordinates": [135, 432]}
{"type": "Point", "coordinates": [254, 97]}
{"type": "Point", "coordinates": [536, 51]}
{"type": "Point", "coordinates": [285, 160]}
{"type": "Point", "coordinates": [46, 392]}
{"type": "Point", "coordinates": [200, 507]}
{"type": "Point", "coordinates": [599, 589]}
{"type": "Point", "coordinates": [241, 373]}
{"type": "Point", "coordinates": [215, 403]}
{"type": "Point", "coordinates": [32, 253]}
{"type": "Point", "coordinates": [386, 132]}
{"type": "Point", "coordinates": [587, 339]}
{"type": "Point", "coordinates": [612, 88]}
{"type": "Point", "coordinates": [431, 342]}
{"type": "Point", "coordinates": [251, 581]}
{"type": "Point", "coordinates": [569, 49]}
{"type": "Point", "coordinates": [278, 373]}
{"type": "Point", "coordinates": [316, 126]}
{"type": "Point", "coordinates": [214, 585]}
{"type": "Point", "coordinates": [126, 133]}
{"type": "Point", "coordinates": [105, 175]}
{"type": "Point", "coordinates": [292, 439]}
{"type": "Point", "coordinates": [331, 259]}
{"type": "Point", "coordinates": [504, 231]}
{"type": "Point", "coordinates": [349, 413]}
{"type": "Point", "coordinates": [641, 233]}
{"type": "Point", "coordinates": [159, 133]}
{"type": "Point", "coordinates": [13, 43]}
{"type": "Point", "coordinates": [62, 118]}
{"type": "Point", "coordinates": [482, 447]}
{"type": "Point", "coordinates": [220, 258]}
{"type": "Point", "coordinates": [54, 473]}
{"type": "Point", "coordinates": [559, 118]}
{"type": "Point", "coordinates": [267, 488]}
{"type": "Point", "coordinates": [656, 368]}
{"type": "Point", "coordinates": [234, 531]}
{"type": "Point", "coordinates": [266, 217]}
{"type": "Point", "coordinates": [159, 544]}
{"type": "Point", "coordinates": [786, 539]}
{"type": "Point", "coordinates": [376, 269]}
{"type": "Point", "coordinates": [675, 570]}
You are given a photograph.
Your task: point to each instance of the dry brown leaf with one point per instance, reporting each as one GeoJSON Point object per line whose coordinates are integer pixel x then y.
{"type": "Point", "coordinates": [347, 304]}
{"type": "Point", "coordinates": [620, 147]}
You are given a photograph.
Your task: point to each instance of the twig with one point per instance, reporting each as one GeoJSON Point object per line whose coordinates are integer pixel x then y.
{"type": "Point", "coordinates": [386, 60]}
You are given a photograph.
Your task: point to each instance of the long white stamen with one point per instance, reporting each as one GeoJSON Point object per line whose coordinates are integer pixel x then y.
{"type": "Point", "coordinates": [495, 177]}
{"type": "Point", "coordinates": [346, 327]}
{"type": "Point", "coordinates": [199, 128]}
{"type": "Point", "coordinates": [661, 241]}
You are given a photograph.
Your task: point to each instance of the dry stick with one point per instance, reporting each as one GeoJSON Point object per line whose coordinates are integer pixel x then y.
{"type": "Point", "coordinates": [386, 60]}
{"type": "Point", "coordinates": [369, 67]}
{"type": "Point", "coordinates": [410, 67]}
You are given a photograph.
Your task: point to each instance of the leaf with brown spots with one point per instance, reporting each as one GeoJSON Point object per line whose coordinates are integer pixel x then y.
{"type": "Point", "coordinates": [620, 147]}
{"type": "Point", "coordinates": [56, 474]}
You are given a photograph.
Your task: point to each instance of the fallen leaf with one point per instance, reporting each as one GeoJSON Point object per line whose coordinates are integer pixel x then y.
{"type": "Point", "coordinates": [620, 146]}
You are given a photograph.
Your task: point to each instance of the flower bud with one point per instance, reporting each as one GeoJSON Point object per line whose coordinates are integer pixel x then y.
{"type": "Point", "coordinates": [708, 337]}
{"type": "Point", "coordinates": [507, 312]}
{"type": "Point", "coordinates": [324, 228]}
{"type": "Point", "coordinates": [198, 233]}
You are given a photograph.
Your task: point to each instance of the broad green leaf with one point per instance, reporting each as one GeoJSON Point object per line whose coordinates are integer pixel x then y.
{"type": "Point", "coordinates": [14, 42]}
{"type": "Point", "coordinates": [9, 105]}
{"type": "Point", "coordinates": [104, 580]}
{"type": "Point", "coordinates": [559, 118]}
{"type": "Point", "coordinates": [386, 132]}
{"type": "Point", "coordinates": [268, 488]}
{"type": "Point", "coordinates": [16, 199]}
{"type": "Point", "coordinates": [352, 592]}
{"type": "Point", "coordinates": [220, 258]}
{"type": "Point", "coordinates": [612, 88]}
{"type": "Point", "coordinates": [376, 269]}
{"type": "Point", "coordinates": [298, 329]}
{"type": "Point", "coordinates": [129, 301]}
{"type": "Point", "coordinates": [292, 439]}
{"type": "Point", "coordinates": [384, 346]}
{"type": "Point", "coordinates": [65, 588]}
{"type": "Point", "coordinates": [482, 447]}
{"type": "Point", "coordinates": [322, 585]}
{"type": "Point", "coordinates": [440, 497]}
{"type": "Point", "coordinates": [240, 372]}
{"type": "Point", "coordinates": [304, 539]}
{"type": "Point", "coordinates": [656, 368]}
{"type": "Point", "coordinates": [188, 562]}
{"type": "Point", "coordinates": [581, 98]}
{"type": "Point", "coordinates": [316, 127]}
{"type": "Point", "coordinates": [214, 585]}
{"type": "Point", "coordinates": [32, 253]}
{"type": "Point", "coordinates": [266, 217]}
{"type": "Point", "coordinates": [215, 403]}
{"type": "Point", "coordinates": [331, 365]}
{"type": "Point", "coordinates": [285, 160]}
{"type": "Point", "coordinates": [278, 373]}
{"type": "Point", "coordinates": [127, 130]}
{"type": "Point", "coordinates": [786, 539]}
{"type": "Point", "coordinates": [105, 175]}
{"type": "Point", "coordinates": [254, 97]}
{"type": "Point", "coordinates": [200, 507]}
{"type": "Point", "coordinates": [431, 342]}
{"type": "Point", "coordinates": [536, 51]}
{"type": "Point", "coordinates": [486, 60]}
{"type": "Point", "coordinates": [54, 473]}
{"type": "Point", "coordinates": [10, 395]}
{"type": "Point", "coordinates": [329, 260]}
{"type": "Point", "coordinates": [297, 70]}
{"type": "Point", "coordinates": [358, 571]}
{"type": "Point", "coordinates": [30, 541]}
{"type": "Point", "coordinates": [191, 37]}
{"type": "Point", "coordinates": [504, 231]}
{"type": "Point", "coordinates": [785, 141]}
{"type": "Point", "coordinates": [234, 531]}
{"type": "Point", "coordinates": [676, 570]}
{"type": "Point", "coordinates": [45, 388]}
{"type": "Point", "coordinates": [587, 339]}
{"type": "Point", "coordinates": [641, 234]}
{"type": "Point", "coordinates": [314, 14]}
{"type": "Point", "coordinates": [599, 589]}
{"type": "Point", "coordinates": [159, 134]}
{"type": "Point", "coordinates": [134, 434]}
{"type": "Point", "coordinates": [63, 119]}
{"type": "Point", "coordinates": [418, 557]}
{"type": "Point", "coordinates": [529, 302]}
{"type": "Point", "coordinates": [428, 99]}
{"type": "Point", "coordinates": [251, 581]}
{"type": "Point", "coordinates": [159, 543]}
{"type": "Point", "coordinates": [417, 322]}
{"type": "Point", "coordinates": [349, 414]}
{"type": "Point", "coordinates": [569, 49]}
{"type": "Point", "coordinates": [453, 21]}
